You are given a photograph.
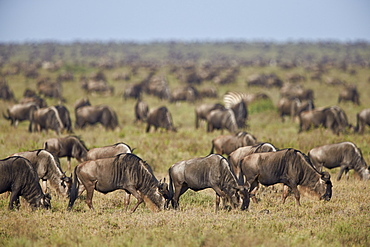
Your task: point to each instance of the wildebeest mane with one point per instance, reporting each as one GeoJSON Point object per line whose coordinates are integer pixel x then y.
{"type": "Point", "coordinates": [137, 169]}
{"type": "Point", "coordinates": [292, 153]}
{"type": "Point", "coordinates": [258, 147]}
{"type": "Point", "coordinates": [227, 174]}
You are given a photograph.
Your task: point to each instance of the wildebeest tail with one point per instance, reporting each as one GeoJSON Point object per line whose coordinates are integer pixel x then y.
{"type": "Point", "coordinates": [170, 189]}
{"type": "Point", "coordinates": [357, 122]}
{"type": "Point", "coordinates": [74, 190]}
{"type": "Point", "coordinates": [6, 117]}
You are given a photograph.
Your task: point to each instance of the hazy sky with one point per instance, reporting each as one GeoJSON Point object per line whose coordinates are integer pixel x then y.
{"type": "Point", "coordinates": [188, 20]}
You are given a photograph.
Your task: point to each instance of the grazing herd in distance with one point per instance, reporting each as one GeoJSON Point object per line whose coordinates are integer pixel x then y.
{"type": "Point", "coordinates": [234, 179]}
{"type": "Point", "coordinates": [231, 115]}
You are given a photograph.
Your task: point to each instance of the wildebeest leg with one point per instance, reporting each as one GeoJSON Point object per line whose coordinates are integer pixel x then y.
{"type": "Point", "coordinates": [147, 128]}
{"type": "Point", "coordinates": [217, 202]}
{"type": "Point", "coordinates": [296, 194]}
{"type": "Point", "coordinates": [219, 193]}
{"type": "Point", "coordinates": [253, 189]}
{"type": "Point", "coordinates": [127, 200]}
{"type": "Point", "coordinates": [137, 195]}
{"type": "Point", "coordinates": [179, 190]}
{"type": "Point", "coordinates": [69, 163]}
{"type": "Point", "coordinates": [89, 194]}
{"type": "Point", "coordinates": [44, 185]}
{"type": "Point", "coordinates": [14, 199]}
{"type": "Point", "coordinates": [342, 169]}
{"type": "Point", "coordinates": [285, 193]}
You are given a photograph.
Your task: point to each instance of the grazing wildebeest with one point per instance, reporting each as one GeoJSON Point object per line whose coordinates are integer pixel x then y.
{"type": "Point", "coordinates": [20, 112]}
{"type": "Point", "coordinates": [349, 93]}
{"type": "Point", "coordinates": [296, 91]}
{"type": "Point", "coordinates": [133, 91]}
{"type": "Point", "coordinates": [290, 167]}
{"type": "Point", "coordinates": [203, 110]}
{"type": "Point", "coordinates": [45, 119]}
{"type": "Point", "coordinates": [222, 119]}
{"type": "Point", "coordinates": [226, 144]}
{"type": "Point", "coordinates": [345, 155]}
{"type": "Point", "coordinates": [5, 92]}
{"type": "Point", "coordinates": [50, 89]}
{"type": "Point", "coordinates": [124, 171]}
{"type": "Point", "coordinates": [237, 156]}
{"type": "Point", "coordinates": [141, 111]}
{"type": "Point", "coordinates": [160, 118]}
{"type": "Point", "coordinates": [82, 102]}
{"type": "Point", "coordinates": [212, 171]}
{"type": "Point", "coordinates": [64, 117]}
{"type": "Point", "coordinates": [363, 119]}
{"type": "Point", "coordinates": [293, 107]}
{"type": "Point", "coordinates": [187, 93]}
{"type": "Point", "coordinates": [333, 118]}
{"type": "Point", "coordinates": [69, 146]}
{"type": "Point", "coordinates": [108, 151]}
{"type": "Point", "coordinates": [48, 168]}
{"type": "Point", "coordinates": [96, 114]}
{"type": "Point", "coordinates": [18, 177]}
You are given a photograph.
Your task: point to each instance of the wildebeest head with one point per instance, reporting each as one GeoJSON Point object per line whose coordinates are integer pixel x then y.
{"type": "Point", "coordinates": [163, 189]}
{"type": "Point", "coordinates": [42, 202]}
{"type": "Point", "coordinates": [67, 184]}
{"type": "Point", "coordinates": [324, 187]}
{"type": "Point", "coordinates": [242, 192]}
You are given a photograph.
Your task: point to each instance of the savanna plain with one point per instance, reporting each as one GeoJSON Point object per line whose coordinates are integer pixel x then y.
{"type": "Point", "coordinates": [342, 221]}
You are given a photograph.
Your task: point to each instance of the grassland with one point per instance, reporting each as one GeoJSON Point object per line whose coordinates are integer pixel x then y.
{"type": "Point", "coordinates": [343, 221]}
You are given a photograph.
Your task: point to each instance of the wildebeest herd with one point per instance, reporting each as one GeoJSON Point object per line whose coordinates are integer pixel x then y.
{"type": "Point", "coordinates": [235, 178]}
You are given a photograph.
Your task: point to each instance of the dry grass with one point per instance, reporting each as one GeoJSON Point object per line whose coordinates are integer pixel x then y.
{"type": "Point", "coordinates": [343, 221]}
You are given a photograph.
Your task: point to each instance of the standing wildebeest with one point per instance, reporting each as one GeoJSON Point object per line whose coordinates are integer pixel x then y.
{"type": "Point", "coordinates": [226, 144]}
{"type": "Point", "coordinates": [222, 119]}
{"type": "Point", "coordinates": [141, 111]}
{"type": "Point", "coordinates": [212, 171]}
{"type": "Point", "coordinates": [46, 118]}
{"type": "Point", "coordinates": [363, 119]}
{"type": "Point", "coordinates": [290, 167]}
{"type": "Point", "coordinates": [20, 112]}
{"type": "Point", "coordinates": [48, 168]}
{"type": "Point", "coordinates": [349, 93]}
{"type": "Point", "coordinates": [124, 171]}
{"type": "Point", "coordinates": [344, 155]}
{"type": "Point", "coordinates": [203, 110]}
{"type": "Point", "coordinates": [160, 118]}
{"type": "Point", "coordinates": [238, 155]}
{"type": "Point", "coordinates": [69, 146]}
{"type": "Point", "coordinates": [333, 118]}
{"type": "Point", "coordinates": [18, 177]}
{"type": "Point", "coordinates": [96, 114]}
{"type": "Point", "coordinates": [108, 151]}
